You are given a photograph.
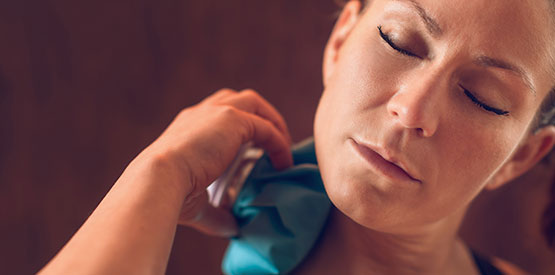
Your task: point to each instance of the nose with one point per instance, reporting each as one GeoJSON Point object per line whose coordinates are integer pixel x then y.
{"type": "Point", "coordinates": [416, 105]}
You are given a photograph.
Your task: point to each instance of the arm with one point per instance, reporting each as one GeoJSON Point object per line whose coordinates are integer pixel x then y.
{"type": "Point", "coordinates": [132, 229]}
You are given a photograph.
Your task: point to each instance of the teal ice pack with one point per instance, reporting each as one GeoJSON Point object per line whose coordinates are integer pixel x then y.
{"type": "Point", "coordinates": [280, 216]}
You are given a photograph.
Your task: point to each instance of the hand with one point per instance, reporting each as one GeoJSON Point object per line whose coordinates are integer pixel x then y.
{"type": "Point", "coordinates": [203, 140]}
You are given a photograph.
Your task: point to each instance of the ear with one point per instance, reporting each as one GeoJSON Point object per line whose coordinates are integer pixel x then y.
{"type": "Point", "coordinates": [343, 27]}
{"type": "Point", "coordinates": [529, 152]}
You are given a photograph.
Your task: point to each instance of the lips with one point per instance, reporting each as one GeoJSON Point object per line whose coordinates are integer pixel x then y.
{"type": "Point", "coordinates": [380, 164]}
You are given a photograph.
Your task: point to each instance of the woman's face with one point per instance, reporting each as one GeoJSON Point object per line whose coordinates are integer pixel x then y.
{"type": "Point", "coordinates": [443, 89]}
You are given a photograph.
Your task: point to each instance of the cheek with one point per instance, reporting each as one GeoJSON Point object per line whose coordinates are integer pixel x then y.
{"type": "Point", "coordinates": [475, 151]}
{"type": "Point", "coordinates": [469, 156]}
{"type": "Point", "coordinates": [367, 74]}
{"type": "Point", "coordinates": [368, 69]}
{"type": "Point", "coordinates": [363, 78]}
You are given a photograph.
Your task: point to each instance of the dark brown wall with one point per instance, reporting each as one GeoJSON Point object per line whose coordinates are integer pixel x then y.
{"type": "Point", "coordinates": [85, 85]}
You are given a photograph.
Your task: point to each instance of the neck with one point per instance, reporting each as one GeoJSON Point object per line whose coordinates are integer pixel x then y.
{"type": "Point", "coordinates": [430, 249]}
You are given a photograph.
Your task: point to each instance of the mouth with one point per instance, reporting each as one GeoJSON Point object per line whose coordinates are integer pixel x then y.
{"type": "Point", "coordinates": [387, 167]}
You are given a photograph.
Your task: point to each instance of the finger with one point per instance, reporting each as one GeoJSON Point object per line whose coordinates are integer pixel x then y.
{"type": "Point", "coordinates": [213, 221]}
{"type": "Point", "coordinates": [219, 95]}
{"type": "Point", "coordinates": [252, 102]}
{"type": "Point", "coordinates": [268, 137]}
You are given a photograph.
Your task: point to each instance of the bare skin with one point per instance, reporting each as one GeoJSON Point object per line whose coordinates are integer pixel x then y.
{"type": "Point", "coordinates": [412, 109]}
{"type": "Point", "coordinates": [132, 230]}
{"type": "Point", "coordinates": [387, 254]}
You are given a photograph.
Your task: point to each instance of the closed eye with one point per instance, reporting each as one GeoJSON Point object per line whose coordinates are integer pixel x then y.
{"type": "Point", "coordinates": [483, 105]}
{"type": "Point", "coordinates": [468, 93]}
{"type": "Point", "coordinates": [388, 40]}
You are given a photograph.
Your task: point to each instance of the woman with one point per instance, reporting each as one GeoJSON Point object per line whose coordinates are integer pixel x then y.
{"type": "Point", "coordinates": [425, 103]}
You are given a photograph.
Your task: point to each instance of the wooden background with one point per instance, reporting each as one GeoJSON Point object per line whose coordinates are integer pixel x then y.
{"type": "Point", "coordinates": [86, 85]}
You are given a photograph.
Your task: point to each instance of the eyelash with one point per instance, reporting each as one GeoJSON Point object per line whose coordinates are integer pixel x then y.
{"type": "Point", "coordinates": [388, 40]}
{"type": "Point", "coordinates": [483, 105]}
{"type": "Point", "coordinates": [468, 93]}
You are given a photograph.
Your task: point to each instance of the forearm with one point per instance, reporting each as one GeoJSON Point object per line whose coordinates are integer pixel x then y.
{"type": "Point", "coordinates": [132, 230]}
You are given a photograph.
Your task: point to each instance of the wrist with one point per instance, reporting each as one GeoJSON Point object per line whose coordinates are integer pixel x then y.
{"type": "Point", "coordinates": [164, 171]}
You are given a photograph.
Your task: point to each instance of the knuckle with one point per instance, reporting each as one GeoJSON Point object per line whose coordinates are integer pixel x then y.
{"type": "Point", "coordinates": [229, 114]}
{"type": "Point", "coordinates": [227, 110]}
{"type": "Point", "coordinates": [181, 113]}
{"type": "Point", "coordinates": [251, 94]}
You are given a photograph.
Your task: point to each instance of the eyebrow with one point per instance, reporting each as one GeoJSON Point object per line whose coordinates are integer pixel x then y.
{"type": "Point", "coordinates": [485, 61]}
{"type": "Point", "coordinates": [431, 25]}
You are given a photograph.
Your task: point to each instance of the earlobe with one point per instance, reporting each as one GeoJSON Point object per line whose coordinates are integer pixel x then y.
{"type": "Point", "coordinates": [528, 154]}
{"type": "Point", "coordinates": [343, 27]}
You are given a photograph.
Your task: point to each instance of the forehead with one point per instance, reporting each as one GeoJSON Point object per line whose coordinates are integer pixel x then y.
{"type": "Point", "coordinates": [524, 22]}
{"type": "Point", "coordinates": [519, 31]}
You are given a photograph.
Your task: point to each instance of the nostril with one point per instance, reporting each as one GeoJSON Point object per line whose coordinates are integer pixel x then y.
{"type": "Point", "coordinates": [420, 132]}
